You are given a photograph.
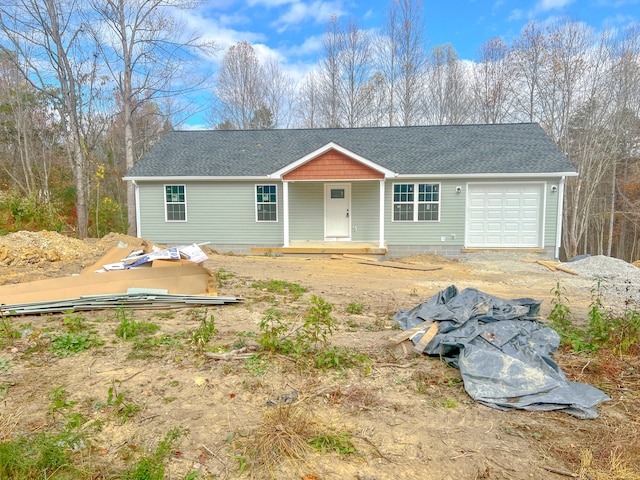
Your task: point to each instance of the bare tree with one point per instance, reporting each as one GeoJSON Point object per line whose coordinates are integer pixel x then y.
{"type": "Point", "coordinates": [446, 98]}
{"type": "Point", "coordinates": [309, 100]}
{"type": "Point", "coordinates": [27, 132]}
{"type": "Point", "coordinates": [145, 50]}
{"type": "Point", "coordinates": [410, 51]}
{"type": "Point", "coordinates": [622, 79]}
{"type": "Point", "coordinates": [355, 65]}
{"type": "Point", "coordinates": [527, 58]}
{"type": "Point", "coordinates": [491, 82]}
{"type": "Point", "coordinates": [49, 38]}
{"type": "Point", "coordinates": [239, 87]}
{"type": "Point", "coordinates": [330, 73]}
{"type": "Point", "coordinates": [279, 94]}
{"type": "Point", "coordinates": [387, 46]}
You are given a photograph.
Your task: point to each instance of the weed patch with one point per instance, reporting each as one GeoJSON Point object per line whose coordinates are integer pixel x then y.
{"type": "Point", "coordinates": [281, 287]}
{"type": "Point", "coordinates": [129, 328]}
{"type": "Point", "coordinates": [71, 343]}
{"type": "Point", "coordinates": [151, 466]}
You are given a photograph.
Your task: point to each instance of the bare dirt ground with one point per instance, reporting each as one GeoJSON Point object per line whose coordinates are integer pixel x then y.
{"type": "Point", "coordinates": [408, 416]}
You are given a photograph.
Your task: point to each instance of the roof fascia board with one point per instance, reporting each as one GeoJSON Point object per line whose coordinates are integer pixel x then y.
{"type": "Point", "coordinates": [332, 146]}
{"type": "Point", "coordinates": [489, 175]}
{"type": "Point", "coordinates": [202, 179]}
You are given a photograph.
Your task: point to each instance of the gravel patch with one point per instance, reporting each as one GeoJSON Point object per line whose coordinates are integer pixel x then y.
{"type": "Point", "coordinates": [619, 280]}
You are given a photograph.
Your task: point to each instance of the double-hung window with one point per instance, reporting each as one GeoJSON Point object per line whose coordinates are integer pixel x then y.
{"type": "Point", "coordinates": [416, 202]}
{"type": "Point", "coordinates": [175, 203]}
{"type": "Point", "coordinates": [266, 203]}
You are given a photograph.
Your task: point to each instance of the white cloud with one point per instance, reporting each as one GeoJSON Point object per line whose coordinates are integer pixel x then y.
{"type": "Point", "coordinates": [317, 12]}
{"type": "Point", "coordinates": [270, 3]}
{"type": "Point", "coordinates": [546, 5]}
{"type": "Point", "coordinates": [515, 15]}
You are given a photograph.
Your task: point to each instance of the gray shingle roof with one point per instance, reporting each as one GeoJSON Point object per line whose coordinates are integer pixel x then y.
{"type": "Point", "coordinates": [430, 150]}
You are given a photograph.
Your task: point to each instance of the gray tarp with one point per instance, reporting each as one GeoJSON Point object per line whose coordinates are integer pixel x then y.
{"type": "Point", "coordinates": [503, 353]}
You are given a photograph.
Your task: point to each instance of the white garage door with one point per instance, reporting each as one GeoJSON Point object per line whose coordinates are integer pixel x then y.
{"type": "Point", "coordinates": [505, 216]}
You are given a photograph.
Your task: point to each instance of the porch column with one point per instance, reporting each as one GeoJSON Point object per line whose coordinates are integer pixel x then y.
{"type": "Point", "coordinates": [285, 212]}
{"type": "Point", "coordinates": [381, 242]}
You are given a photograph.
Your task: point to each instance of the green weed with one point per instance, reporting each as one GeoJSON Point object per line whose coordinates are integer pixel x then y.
{"type": "Point", "coordinates": [58, 397]}
{"type": "Point", "coordinates": [71, 343]}
{"type": "Point", "coordinates": [256, 366]}
{"type": "Point", "coordinates": [355, 308]}
{"type": "Point", "coordinates": [74, 323]}
{"type": "Point", "coordinates": [129, 328]}
{"type": "Point", "coordinates": [273, 327]}
{"type": "Point", "coordinates": [449, 403]}
{"type": "Point", "coordinates": [7, 329]}
{"type": "Point", "coordinates": [201, 336]}
{"type": "Point", "coordinates": [39, 456]}
{"type": "Point", "coordinates": [222, 275]}
{"type": "Point", "coordinates": [151, 466]}
{"type": "Point", "coordinates": [561, 314]}
{"type": "Point", "coordinates": [339, 358]}
{"type": "Point", "coordinates": [318, 324]}
{"type": "Point", "coordinates": [123, 407]}
{"type": "Point", "coordinates": [280, 286]}
{"type": "Point", "coordinates": [618, 331]}
{"type": "Point", "coordinates": [333, 442]}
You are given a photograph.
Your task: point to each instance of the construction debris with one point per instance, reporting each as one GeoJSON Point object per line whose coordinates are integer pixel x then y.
{"type": "Point", "coordinates": [502, 351]}
{"type": "Point", "coordinates": [130, 300]}
{"type": "Point", "coordinates": [126, 276]}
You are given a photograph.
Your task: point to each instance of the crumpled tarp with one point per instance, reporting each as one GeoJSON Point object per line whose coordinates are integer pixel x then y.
{"type": "Point", "coordinates": [502, 351]}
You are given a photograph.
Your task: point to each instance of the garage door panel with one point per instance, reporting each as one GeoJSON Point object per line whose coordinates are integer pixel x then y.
{"type": "Point", "coordinates": [505, 216]}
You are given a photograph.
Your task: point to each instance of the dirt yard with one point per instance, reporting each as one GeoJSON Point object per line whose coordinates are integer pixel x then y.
{"type": "Point", "coordinates": [406, 416]}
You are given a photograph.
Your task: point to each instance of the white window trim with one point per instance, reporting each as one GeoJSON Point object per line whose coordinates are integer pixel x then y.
{"type": "Point", "coordinates": [164, 197]}
{"type": "Point", "coordinates": [255, 198]}
{"type": "Point", "coordinates": [416, 202]}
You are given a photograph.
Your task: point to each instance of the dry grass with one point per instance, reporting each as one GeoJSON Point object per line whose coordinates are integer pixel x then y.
{"type": "Point", "coordinates": [8, 423]}
{"type": "Point", "coordinates": [283, 436]}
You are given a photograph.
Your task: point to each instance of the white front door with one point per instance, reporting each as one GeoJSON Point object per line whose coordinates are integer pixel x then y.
{"type": "Point", "coordinates": [337, 211]}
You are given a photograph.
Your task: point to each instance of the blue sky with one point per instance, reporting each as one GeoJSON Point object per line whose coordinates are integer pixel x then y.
{"type": "Point", "coordinates": [292, 30]}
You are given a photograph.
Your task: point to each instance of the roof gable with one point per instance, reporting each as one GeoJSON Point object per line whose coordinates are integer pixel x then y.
{"type": "Point", "coordinates": [332, 162]}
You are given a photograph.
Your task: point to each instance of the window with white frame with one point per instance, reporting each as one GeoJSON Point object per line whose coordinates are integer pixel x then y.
{"type": "Point", "coordinates": [266, 203]}
{"type": "Point", "coordinates": [416, 202]}
{"type": "Point", "coordinates": [175, 202]}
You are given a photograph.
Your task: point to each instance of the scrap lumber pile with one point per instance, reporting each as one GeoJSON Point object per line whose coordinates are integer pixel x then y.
{"type": "Point", "coordinates": [125, 276]}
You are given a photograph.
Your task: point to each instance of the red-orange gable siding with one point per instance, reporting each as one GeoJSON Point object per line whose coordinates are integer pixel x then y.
{"type": "Point", "coordinates": [333, 165]}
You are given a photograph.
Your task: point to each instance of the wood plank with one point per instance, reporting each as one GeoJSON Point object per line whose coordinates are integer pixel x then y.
{"type": "Point", "coordinates": [410, 332]}
{"type": "Point", "coordinates": [426, 338]}
{"type": "Point", "coordinates": [320, 250]}
{"type": "Point", "coordinates": [360, 257]}
{"type": "Point", "coordinates": [552, 266]}
{"type": "Point", "coordinates": [401, 266]}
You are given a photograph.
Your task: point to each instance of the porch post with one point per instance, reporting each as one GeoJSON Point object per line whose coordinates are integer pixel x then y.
{"type": "Point", "coordinates": [285, 212]}
{"type": "Point", "coordinates": [381, 242]}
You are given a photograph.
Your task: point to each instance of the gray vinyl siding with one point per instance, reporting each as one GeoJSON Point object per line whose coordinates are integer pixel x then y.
{"type": "Point", "coordinates": [306, 211]}
{"type": "Point", "coordinates": [365, 205]}
{"type": "Point", "coordinates": [219, 213]}
{"type": "Point", "coordinates": [452, 207]}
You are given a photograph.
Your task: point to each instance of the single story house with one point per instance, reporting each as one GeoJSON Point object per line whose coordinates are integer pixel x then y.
{"type": "Point", "coordinates": [386, 190]}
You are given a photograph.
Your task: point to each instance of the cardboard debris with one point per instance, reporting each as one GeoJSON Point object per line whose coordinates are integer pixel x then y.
{"type": "Point", "coordinates": [176, 271]}
{"type": "Point", "coordinates": [189, 280]}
